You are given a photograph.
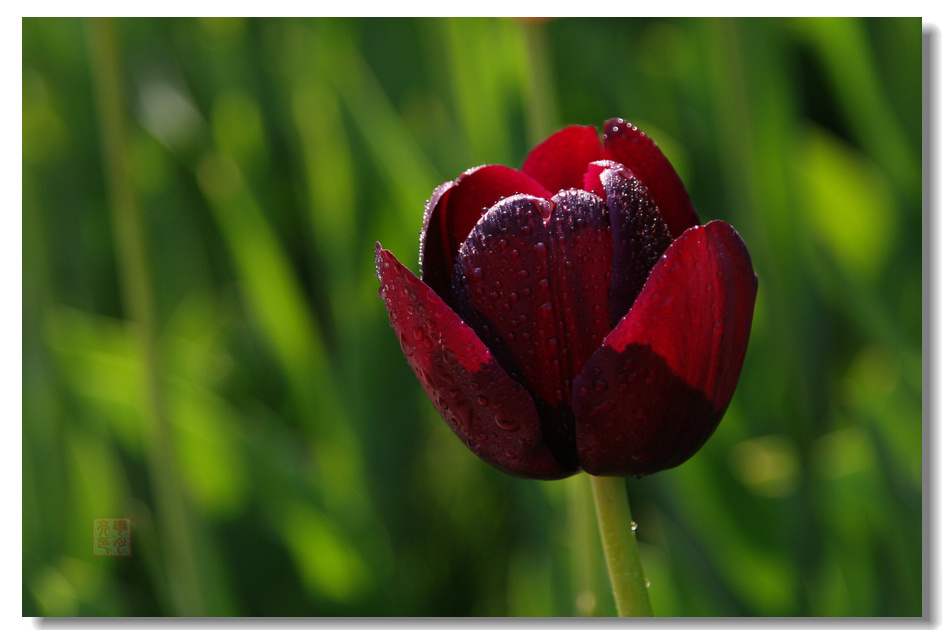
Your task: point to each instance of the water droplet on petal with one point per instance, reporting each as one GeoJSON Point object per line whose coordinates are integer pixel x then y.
{"type": "Point", "coordinates": [507, 424]}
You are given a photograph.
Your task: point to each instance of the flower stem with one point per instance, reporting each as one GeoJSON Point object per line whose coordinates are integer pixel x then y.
{"type": "Point", "coordinates": [621, 548]}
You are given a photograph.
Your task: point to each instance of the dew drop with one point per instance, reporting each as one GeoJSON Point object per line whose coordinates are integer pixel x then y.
{"type": "Point", "coordinates": [507, 424]}
{"type": "Point", "coordinates": [523, 273]}
{"type": "Point", "coordinates": [540, 250]}
{"type": "Point", "coordinates": [634, 526]}
{"type": "Point", "coordinates": [476, 275]}
{"type": "Point", "coordinates": [483, 401]}
{"type": "Point", "coordinates": [514, 254]}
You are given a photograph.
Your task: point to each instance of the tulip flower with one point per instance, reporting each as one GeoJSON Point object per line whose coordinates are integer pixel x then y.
{"type": "Point", "coordinates": [574, 314]}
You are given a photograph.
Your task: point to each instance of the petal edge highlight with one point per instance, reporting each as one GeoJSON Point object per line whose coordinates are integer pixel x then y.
{"type": "Point", "coordinates": [626, 144]}
{"type": "Point", "coordinates": [491, 413]}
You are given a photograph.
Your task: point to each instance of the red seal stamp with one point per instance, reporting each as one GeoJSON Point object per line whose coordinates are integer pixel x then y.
{"type": "Point", "coordinates": [111, 537]}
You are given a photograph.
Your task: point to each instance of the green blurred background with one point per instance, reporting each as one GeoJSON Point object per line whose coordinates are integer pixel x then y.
{"type": "Point", "coordinates": [204, 350]}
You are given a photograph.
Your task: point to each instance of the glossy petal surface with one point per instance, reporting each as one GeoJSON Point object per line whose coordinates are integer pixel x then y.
{"type": "Point", "coordinates": [639, 238]}
{"type": "Point", "coordinates": [624, 143]}
{"type": "Point", "coordinates": [533, 280]}
{"type": "Point", "coordinates": [560, 161]}
{"type": "Point", "coordinates": [659, 385]}
{"type": "Point", "coordinates": [489, 411]}
{"type": "Point", "coordinates": [454, 209]}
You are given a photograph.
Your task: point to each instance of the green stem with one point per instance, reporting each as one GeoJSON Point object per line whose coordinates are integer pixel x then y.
{"type": "Point", "coordinates": [621, 548]}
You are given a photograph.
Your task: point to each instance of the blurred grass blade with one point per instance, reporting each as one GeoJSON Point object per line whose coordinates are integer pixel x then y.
{"type": "Point", "coordinates": [183, 575]}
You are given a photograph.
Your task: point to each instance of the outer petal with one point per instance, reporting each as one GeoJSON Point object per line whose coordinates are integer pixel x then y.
{"type": "Point", "coordinates": [492, 414]}
{"type": "Point", "coordinates": [560, 161]}
{"type": "Point", "coordinates": [624, 143]}
{"type": "Point", "coordinates": [454, 209]}
{"type": "Point", "coordinates": [532, 280]}
{"type": "Point", "coordinates": [654, 392]}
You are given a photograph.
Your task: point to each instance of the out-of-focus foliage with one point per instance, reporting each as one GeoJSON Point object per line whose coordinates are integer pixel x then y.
{"type": "Point", "coordinates": [205, 353]}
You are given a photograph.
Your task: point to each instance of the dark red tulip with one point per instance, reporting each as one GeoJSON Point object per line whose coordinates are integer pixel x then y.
{"type": "Point", "coordinates": [599, 327]}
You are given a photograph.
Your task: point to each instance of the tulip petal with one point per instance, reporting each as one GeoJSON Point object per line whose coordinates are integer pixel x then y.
{"type": "Point", "coordinates": [560, 161]}
{"type": "Point", "coordinates": [490, 412]}
{"type": "Point", "coordinates": [639, 237]}
{"type": "Point", "coordinates": [533, 280]}
{"type": "Point", "coordinates": [649, 398]}
{"type": "Point", "coordinates": [453, 210]}
{"type": "Point", "coordinates": [624, 143]}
